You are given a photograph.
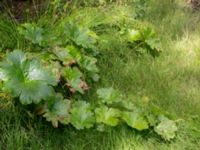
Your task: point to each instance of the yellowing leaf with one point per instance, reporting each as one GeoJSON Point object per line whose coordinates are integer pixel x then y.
{"type": "Point", "coordinates": [167, 129]}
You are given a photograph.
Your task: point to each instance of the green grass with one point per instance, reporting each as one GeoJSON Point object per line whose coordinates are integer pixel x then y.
{"type": "Point", "coordinates": [170, 81]}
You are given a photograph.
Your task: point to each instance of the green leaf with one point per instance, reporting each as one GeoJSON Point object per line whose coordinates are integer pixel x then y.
{"type": "Point", "coordinates": [32, 33]}
{"type": "Point", "coordinates": [150, 42]}
{"type": "Point", "coordinates": [67, 56]}
{"type": "Point", "coordinates": [89, 65]}
{"type": "Point", "coordinates": [153, 43]}
{"type": "Point", "coordinates": [135, 120]}
{"type": "Point", "coordinates": [72, 73]}
{"type": "Point", "coordinates": [108, 116]}
{"type": "Point", "coordinates": [108, 95]}
{"type": "Point", "coordinates": [74, 52]}
{"type": "Point", "coordinates": [81, 36]}
{"type": "Point", "coordinates": [34, 71]}
{"type": "Point", "coordinates": [134, 35]}
{"type": "Point", "coordinates": [86, 38]}
{"type": "Point", "coordinates": [147, 33]}
{"type": "Point", "coordinates": [82, 115]}
{"type": "Point", "coordinates": [153, 46]}
{"type": "Point", "coordinates": [57, 110]}
{"type": "Point", "coordinates": [34, 91]}
{"type": "Point", "coordinates": [152, 119]}
{"type": "Point", "coordinates": [55, 67]}
{"type": "Point", "coordinates": [26, 79]}
{"type": "Point", "coordinates": [62, 54]}
{"type": "Point", "coordinates": [167, 129]}
{"type": "Point", "coordinates": [2, 75]}
{"type": "Point", "coordinates": [95, 77]}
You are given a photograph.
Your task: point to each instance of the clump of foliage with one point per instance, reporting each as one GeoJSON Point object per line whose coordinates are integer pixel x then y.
{"type": "Point", "coordinates": [26, 79]}
{"type": "Point", "coordinates": [57, 69]}
{"type": "Point", "coordinates": [34, 84]}
{"type": "Point", "coordinates": [145, 40]}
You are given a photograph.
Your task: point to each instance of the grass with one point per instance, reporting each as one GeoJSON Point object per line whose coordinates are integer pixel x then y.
{"type": "Point", "coordinates": [171, 81]}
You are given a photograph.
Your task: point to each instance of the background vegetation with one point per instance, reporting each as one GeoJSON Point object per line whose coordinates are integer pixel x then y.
{"type": "Point", "coordinates": [170, 81]}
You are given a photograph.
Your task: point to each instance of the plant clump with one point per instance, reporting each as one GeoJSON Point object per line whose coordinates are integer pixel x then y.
{"type": "Point", "coordinates": [59, 66]}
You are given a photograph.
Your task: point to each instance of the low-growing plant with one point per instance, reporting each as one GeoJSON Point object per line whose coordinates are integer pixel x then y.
{"type": "Point", "coordinates": [27, 80]}
{"type": "Point", "coordinates": [55, 72]}
{"type": "Point", "coordinates": [145, 40]}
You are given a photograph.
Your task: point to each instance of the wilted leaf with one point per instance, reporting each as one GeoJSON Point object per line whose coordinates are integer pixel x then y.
{"type": "Point", "coordinates": [74, 79]}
